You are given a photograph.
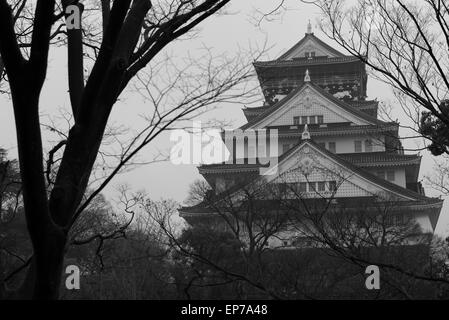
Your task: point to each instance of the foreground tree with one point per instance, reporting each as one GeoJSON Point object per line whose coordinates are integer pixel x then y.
{"type": "Point", "coordinates": [274, 241]}
{"type": "Point", "coordinates": [131, 36]}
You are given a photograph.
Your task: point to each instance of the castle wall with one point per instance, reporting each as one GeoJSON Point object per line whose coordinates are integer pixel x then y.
{"type": "Point", "coordinates": [342, 144]}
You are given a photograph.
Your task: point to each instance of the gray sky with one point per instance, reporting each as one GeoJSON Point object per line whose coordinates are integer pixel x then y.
{"type": "Point", "coordinates": [224, 34]}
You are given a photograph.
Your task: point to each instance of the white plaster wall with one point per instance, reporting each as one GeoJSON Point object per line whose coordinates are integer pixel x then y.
{"type": "Point", "coordinates": [315, 109]}
{"type": "Point", "coordinates": [399, 175]}
{"type": "Point", "coordinates": [343, 144]}
{"type": "Point", "coordinates": [424, 221]}
{"type": "Point", "coordinates": [309, 102]}
{"type": "Point", "coordinates": [275, 242]}
{"type": "Point", "coordinates": [346, 144]}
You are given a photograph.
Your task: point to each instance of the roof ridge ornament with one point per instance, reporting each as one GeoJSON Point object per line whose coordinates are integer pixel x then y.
{"type": "Point", "coordinates": [307, 76]}
{"type": "Point", "coordinates": [305, 134]}
{"type": "Point", "coordinates": [309, 28]}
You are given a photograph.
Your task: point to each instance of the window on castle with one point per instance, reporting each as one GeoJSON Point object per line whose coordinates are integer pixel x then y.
{"type": "Point", "coordinates": [332, 147]}
{"type": "Point", "coordinates": [295, 120]}
{"type": "Point", "coordinates": [312, 186]}
{"type": "Point", "coordinates": [302, 187]}
{"type": "Point", "coordinates": [303, 120]}
{"type": "Point", "coordinates": [368, 146]}
{"type": "Point", "coordinates": [321, 186]}
{"type": "Point", "coordinates": [322, 144]}
{"type": "Point", "coordinates": [390, 175]}
{"type": "Point", "coordinates": [312, 120]}
{"type": "Point", "coordinates": [306, 54]}
{"type": "Point", "coordinates": [312, 54]}
{"type": "Point", "coordinates": [332, 186]}
{"type": "Point", "coordinates": [380, 174]}
{"type": "Point", "coordinates": [320, 119]}
{"type": "Point", "coordinates": [357, 146]}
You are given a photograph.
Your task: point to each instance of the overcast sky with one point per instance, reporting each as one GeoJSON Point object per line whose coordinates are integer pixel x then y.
{"type": "Point", "coordinates": [225, 34]}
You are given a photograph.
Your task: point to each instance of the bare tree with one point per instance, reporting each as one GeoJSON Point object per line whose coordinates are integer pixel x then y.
{"type": "Point", "coordinates": [271, 229]}
{"type": "Point", "coordinates": [406, 44]}
{"type": "Point", "coordinates": [131, 36]}
{"type": "Point", "coordinates": [227, 248]}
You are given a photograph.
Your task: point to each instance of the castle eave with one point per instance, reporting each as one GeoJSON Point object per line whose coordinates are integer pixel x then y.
{"type": "Point", "coordinates": [304, 62]}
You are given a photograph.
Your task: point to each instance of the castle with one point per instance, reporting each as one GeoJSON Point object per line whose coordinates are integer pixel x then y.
{"type": "Point", "coordinates": [330, 141]}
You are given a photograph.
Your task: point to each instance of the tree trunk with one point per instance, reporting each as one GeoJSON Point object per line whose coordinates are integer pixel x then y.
{"type": "Point", "coordinates": [48, 266]}
{"type": "Point", "coordinates": [48, 239]}
{"type": "Point", "coordinates": [43, 278]}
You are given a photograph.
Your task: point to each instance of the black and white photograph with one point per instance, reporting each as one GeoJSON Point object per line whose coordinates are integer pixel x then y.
{"type": "Point", "coordinates": [221, 159]}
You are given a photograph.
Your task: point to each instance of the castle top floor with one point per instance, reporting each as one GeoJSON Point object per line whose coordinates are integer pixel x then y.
{"type": "Point", "coordinates": [341, 75]}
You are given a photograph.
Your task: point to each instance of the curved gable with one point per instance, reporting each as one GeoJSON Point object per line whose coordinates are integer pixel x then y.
{"type": "Point", "coordinates": [310, 163]}
{"type": "Point", "coordinates": [309, 101]}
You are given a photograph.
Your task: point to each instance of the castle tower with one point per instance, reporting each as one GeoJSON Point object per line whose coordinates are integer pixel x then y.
{"type": "Point", "coordinates": [316, 102]}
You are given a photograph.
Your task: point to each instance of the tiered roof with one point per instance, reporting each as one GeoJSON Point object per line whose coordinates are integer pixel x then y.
{"type": "Point", "coordinates": [305, 62]}
{"type": "Point", "coordinates": [362, 112]}
{"type": "Point", "coordinates": [270, 110]}
{"type": "Point", "coordinates": [368, 106]}
{"type": "Point", "coordinates": [281, 75]}
{"type": "Point", "coordinates": [409, 197]}
{"type": "Point", "coordinates": [363, 160]}
{"type": "Point", "coordinates": [375, 159]}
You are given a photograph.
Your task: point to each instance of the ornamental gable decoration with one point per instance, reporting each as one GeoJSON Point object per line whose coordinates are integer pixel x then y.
{"type": "Point", "coordinates": [309, 102]}
{"type": "Point", "coordinates": [310, 164]}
